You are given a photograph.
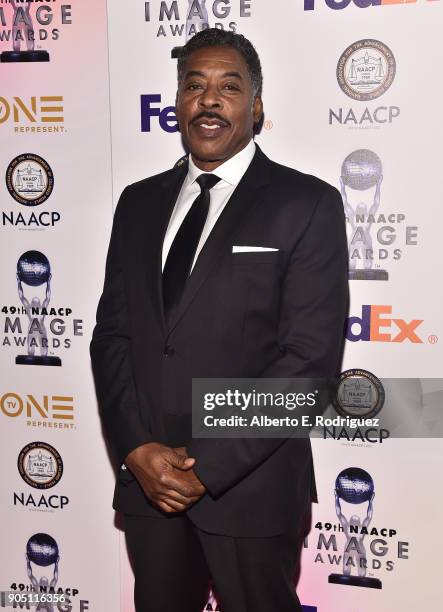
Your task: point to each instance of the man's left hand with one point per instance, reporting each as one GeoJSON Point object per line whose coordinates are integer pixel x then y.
{"type": "Point", "coordinates": [188, 475]}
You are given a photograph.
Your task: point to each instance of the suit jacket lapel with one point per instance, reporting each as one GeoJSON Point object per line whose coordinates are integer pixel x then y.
{"type": "Point", "coordinates": [151, 246]}
{"type": "Point", "coordinates": [244, 197]}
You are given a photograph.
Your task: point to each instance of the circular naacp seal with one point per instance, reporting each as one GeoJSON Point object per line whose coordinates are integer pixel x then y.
{"type": "Point", "coordinates": [40, 465]}
{"type": "Point", "coordinates": [358, 394]}
{"type": "Point", "coordinates": [366, 69]}
{"type": "Point", "coordinates": [29, 179]}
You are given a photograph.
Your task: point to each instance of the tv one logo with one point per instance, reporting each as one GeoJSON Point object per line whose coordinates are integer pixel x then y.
{"type": "Point", "coordinates": [49, 408]}
{"type": "Point", "coordinates": [150, 109]}
{"type": "Point", "coordinates": [377, 325]}
{"type": "Point", "coordinates": [33, 114]}
{"type": "Point", "coordinates": [310, 5]}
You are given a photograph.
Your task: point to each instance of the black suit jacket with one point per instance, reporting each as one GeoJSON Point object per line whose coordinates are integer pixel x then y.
{"type": "Point", "coordinates": [256, 314]}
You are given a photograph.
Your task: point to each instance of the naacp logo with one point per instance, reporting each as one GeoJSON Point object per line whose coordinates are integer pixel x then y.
{"type": "Point", "coordinates": [359, 394]}
{"type": "Point", "coordinates": [366, 69]}
{"type": "Point", "coordinates": [40, 465]}
{"type": "Point", "coordinates": [29, 179]}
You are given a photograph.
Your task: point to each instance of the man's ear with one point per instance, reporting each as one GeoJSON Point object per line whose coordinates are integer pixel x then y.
{"type": "Point", "coordinates": [176, 102]}
{"type": "Point", "coordinates": [257, 109]}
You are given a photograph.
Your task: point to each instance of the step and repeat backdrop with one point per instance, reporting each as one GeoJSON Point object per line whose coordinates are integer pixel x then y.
{"type": "Point", "coordinates": [352, 93]}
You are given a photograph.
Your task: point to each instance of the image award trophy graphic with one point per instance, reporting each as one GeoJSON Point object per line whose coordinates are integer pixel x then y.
{"type": "Point", "coordinates": [22, 31]}
{"type": "Point", "coordinates": [361, 171]}
{"type": "Point", "coordinates": [34, 270]}
{"type": "Point", "coordinates": [354, 486]}
{"type": "Point", "coordinates": [42, 551]}
{"type": "Point", "coordinates": [196, 20]}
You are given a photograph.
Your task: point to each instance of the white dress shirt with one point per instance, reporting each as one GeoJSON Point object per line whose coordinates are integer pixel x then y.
{"type": "Point", "coordinates": [230, 173]}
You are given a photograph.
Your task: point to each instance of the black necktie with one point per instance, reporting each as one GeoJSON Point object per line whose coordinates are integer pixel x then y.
{"type": "Point", "coordinates": [181, 254]}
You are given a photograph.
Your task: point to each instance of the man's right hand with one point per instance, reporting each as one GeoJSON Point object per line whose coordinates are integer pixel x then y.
{"type": "Point", "coordinates": [157, 468]}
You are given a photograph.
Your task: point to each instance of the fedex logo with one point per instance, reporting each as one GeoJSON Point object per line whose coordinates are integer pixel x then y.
{"type": "Point", "coordinates": [309, 5]}
{"type": "Point", "coordinates": [377, 325]}
{"type": "Point", "coordinates": [166, 117]}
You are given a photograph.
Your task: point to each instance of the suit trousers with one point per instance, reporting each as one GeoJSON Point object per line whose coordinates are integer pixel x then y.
{"type": "Point", "coordinates": [174, 564]}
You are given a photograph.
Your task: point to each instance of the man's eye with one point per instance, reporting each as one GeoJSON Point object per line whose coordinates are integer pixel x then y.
{"type": "Point", "coordinates": [193, 86]}
{"type": "Point", "coordinates": [231, 87]}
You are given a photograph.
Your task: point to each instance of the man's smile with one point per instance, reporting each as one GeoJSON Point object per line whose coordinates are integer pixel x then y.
{"type": "Point", "coordinates": [209, 127]}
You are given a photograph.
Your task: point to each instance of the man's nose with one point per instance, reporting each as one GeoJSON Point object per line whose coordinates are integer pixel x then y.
{"type": "Point", "coordinates": [210, 98]}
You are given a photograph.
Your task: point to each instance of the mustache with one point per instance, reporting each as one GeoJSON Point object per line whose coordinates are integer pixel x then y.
{"type": "Point", "coordinates": [209, 115]}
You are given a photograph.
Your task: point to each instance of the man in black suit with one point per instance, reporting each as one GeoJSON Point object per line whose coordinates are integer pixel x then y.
{"type": "Point", "coordinates": [228, 265]}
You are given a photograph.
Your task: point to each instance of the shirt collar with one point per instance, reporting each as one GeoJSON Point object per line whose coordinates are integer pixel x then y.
{"type": "Point", "coordinates": [230, 171]}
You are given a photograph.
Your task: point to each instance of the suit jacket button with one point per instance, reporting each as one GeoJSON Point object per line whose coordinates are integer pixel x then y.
{"type": "Point", "coordinates": [169, 351]}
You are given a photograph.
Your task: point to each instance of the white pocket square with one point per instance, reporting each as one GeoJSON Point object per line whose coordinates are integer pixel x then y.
{"type": "Point", "coordinates": [251, 249]}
